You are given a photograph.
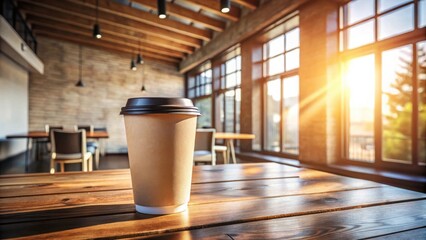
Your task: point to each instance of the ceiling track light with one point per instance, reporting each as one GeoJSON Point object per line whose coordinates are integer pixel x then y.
{"type": "Point", "coordinates": [161, 7]}
{"type": "Point", "coordinates": [96, 29]}
{"type": "Point", "coordinates": [225, 6]}
{"type": "Point", "coordinates": [80, 80]}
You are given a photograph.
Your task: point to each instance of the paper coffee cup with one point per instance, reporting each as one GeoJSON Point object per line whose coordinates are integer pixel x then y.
{"type": "Point", "coordinates": [160, 135]}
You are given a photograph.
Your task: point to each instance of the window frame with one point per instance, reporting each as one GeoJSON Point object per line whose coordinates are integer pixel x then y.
{"type": "Point", "coordinates": [377, 48]}
{"type": "Point", "coordinates": [281, 76]}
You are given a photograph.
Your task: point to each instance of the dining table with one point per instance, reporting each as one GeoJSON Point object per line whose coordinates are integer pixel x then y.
{"type": "Point", "coordinates": [229, 138]}
{"type": "Point", "coordinates": [30, 136]}
{"type": "Point", "coordinates": [236, 201]}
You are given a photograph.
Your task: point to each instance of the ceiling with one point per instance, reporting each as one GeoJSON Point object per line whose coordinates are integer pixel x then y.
{"type": "Point", "coordinates": [128, 26]}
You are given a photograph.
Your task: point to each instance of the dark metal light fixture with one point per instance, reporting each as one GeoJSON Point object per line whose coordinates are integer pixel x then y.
{"type": "Point", "coordinates": [143, 89]}
{"type": "Point", "coordinates": [161, 7]}
{"type": "Point", "coordinates": [225, 6]}
{"type": "Point", "coordinates": [139, 59]}
{"type": "Point", "coordinates": [96, 28]}
{"type": "Point", "coordinates": [80, 80]}
{"type": "Point", "coordinates": [133, 65]}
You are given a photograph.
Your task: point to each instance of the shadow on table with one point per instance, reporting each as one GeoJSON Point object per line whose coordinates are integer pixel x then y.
{"type": "Point", "coordinates": [49, 221]}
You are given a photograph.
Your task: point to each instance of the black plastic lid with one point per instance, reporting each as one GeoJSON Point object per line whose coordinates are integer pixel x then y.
{"type": "Point", "coordinates": [147, 105]}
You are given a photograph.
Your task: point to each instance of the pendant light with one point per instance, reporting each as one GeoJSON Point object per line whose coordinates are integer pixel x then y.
{"type": "Point", "coordinates": [133, 64]}
{"type": "Point", "coordinates": [225, 6]}
{"type": "Point", "coordinates": [139, 59]}
{"type": "Point", "coordinates": [96, 28]}
{"type": "Point", "coordinates": [161, 7]}
{"type": "Point", "coordinates": [143, 89]}
{"type": "Point", "coordinates": [80, 80]}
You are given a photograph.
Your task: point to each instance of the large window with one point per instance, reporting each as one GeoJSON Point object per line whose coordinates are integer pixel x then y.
{"type": "Point", "coordinates": [281, 105]}
{"type": "Point", "coordinates": [217, 92]}
{"type": "Point", "coordinates": [200, 90]}
{"type": "Point", "coordinates": [383, 45]}
{"type": "Point", "coordinates": [229, 94]}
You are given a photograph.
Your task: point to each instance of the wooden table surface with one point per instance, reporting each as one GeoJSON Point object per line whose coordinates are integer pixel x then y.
{"type": "Point", "coordinates": [234, 136]}
{"type": "Point", "coordinates": [241, 201]}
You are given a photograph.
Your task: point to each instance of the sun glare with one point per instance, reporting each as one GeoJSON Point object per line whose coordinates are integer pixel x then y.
{"type": "Point", "coordinates": [359, 79]}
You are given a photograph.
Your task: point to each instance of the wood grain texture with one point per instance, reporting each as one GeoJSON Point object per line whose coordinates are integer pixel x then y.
{"type": "Point", "coordinates": [397, 221]}
{"type": "Point", "coordinates": [247, 199]}
{"type": "Point", "coordinates": [202, 215]}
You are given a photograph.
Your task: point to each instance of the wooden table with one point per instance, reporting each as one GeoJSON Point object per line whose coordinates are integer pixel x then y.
{"type": "Point", "coordinates": [229, 141]}
{"type": "Point", "coordinates": [238, 201]}
{"type": "Point", "coordinates": [42, 135]}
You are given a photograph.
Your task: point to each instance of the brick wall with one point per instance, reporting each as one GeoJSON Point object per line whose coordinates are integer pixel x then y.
{"type": "Point", "coordinates": [54, 99]}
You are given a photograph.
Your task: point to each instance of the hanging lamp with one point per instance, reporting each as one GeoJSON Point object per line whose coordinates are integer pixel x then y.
{"type": "Point", "coordinates": [225, 6]}
{"type": "Point", "coordinates": [161, 8]}
{"type": "Point", "coordinates": [80, 80]}
{"type": "Point", "coordinates": [133, 64]}
{"type": "Point", "coordinates": [139, 59]}
{"type": "Point", "coordinates": [96, 28]}
{"type": "Point", "coordinates": [143, 89]}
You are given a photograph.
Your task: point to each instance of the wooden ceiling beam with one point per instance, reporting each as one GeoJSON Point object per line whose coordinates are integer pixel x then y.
{"type": "Point", "coordinates": [107, 28]}
{"type": "Point", "coordinates": [250, 4]}
{"type": "Point", "coordinates": [84, 40]}
{"type": "Point", "coordinates": [118, 21]}
{"type": "Point", "coordinates": [132, 44]}
{"type": "Point", "coordinates": [117, 9]}
{"type": "Point", "coordinates": [214, 7]}
{"type": "Point", "coordinates": [108, 35]}
{"type": "Point", "coordinates": [181, 12]}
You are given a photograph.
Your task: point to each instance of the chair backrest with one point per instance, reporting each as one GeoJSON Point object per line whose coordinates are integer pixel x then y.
{"type": "Point", "coordinates": [88, 128]}
{"type": "Point", "coordinates": [68, 142]}
{"type": "Point", "coordinates": [49, 129]}
{"type": "Point", "coordinates": [204, 139]}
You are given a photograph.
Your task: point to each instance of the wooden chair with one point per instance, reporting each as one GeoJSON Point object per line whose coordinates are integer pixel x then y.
{"type": "Point", "coordinates": [70, 147]}
{"type": "Point", "coordinates": [220, 148]}
{"type": "Point", "coordinates": [92, 144]}
{"type": "Point", "coordinates": [224, 150]}
{"type": "Point", "coordinates": [45, 143]}
{"type": "Point", "coordinates": [204, 146]}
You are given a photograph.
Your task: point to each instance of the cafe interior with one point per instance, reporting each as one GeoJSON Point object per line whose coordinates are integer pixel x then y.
{"type": "Point", "coordinates": [312, 117]}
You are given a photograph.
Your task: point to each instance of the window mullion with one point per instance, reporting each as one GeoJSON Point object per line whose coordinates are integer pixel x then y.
{"type": "Point", "coordinates": [415, 109]}
{"type": "Point", "coordinates": [378, 116]}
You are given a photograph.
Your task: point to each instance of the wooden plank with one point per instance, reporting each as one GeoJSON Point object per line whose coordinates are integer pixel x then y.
{"type": "Point", "coordinates": [117, 41]}
{"type": "Point", "coordinates": [52, 185]}
{"type": "Point", "coordinates": [200, 194]}
{"type": "Point", "coordinates": [118, 21]}
{"type": "Point", "coordinates": [110, 29]}
{"type": "Point", "coordinates": [213, 173]}
{"type": "Point", "coordinates": [419, 233]}
{"type": "Point", "coordinates": [85, 40]}
{"type": "Point", "coordinates": [108, 36]}
{"type": "Point", "coordinates": [181, 12]}
{"type": "Point", "coordinates": [387, 220]}
{"type": "Point", "coordinates": [250, 4]}
{"type": "Point", "coordinates": [214, 7]}
{"type": "Point", "coordinates": [118, 9]}
{"type": "Point", "coordinates": [205, 215]}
